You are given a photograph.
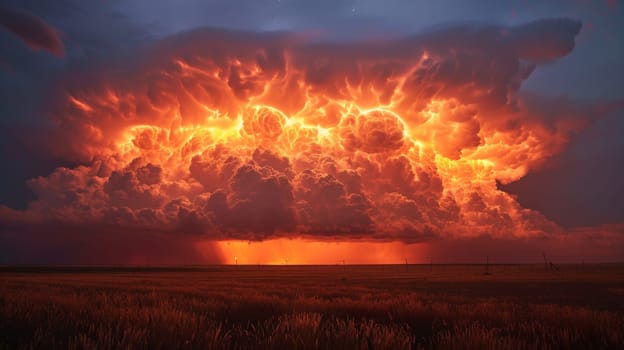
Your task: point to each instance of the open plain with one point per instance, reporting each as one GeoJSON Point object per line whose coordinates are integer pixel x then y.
{"type": "Point", "coordinates": [313, 307]}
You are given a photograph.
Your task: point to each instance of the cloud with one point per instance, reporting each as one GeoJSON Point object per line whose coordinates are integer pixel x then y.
{"type": "Point", "coordinates": [260, 202]}
{"type": "Point", "coordinates": [325, 207]}
{"type": "Point", "coordinates": [579, 187]}
{"type": "Point", "coordinates": [543, 40]}
{"type": "Point", "coordinates": [372, 132]}
{"type": "Point", "coordinates": [596, 244]}
{"type": "Point", "coordinates": [32, 30]}
{"type": "Point", "coordinates": [224, 134]}
{"type": "Point", "coordinates": [100, 245]}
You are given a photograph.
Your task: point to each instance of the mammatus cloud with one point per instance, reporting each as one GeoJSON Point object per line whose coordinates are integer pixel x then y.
{"type": "Point", "coordinates": [32, 30]}
{"type": "Point", "coordinates": [236, 135]}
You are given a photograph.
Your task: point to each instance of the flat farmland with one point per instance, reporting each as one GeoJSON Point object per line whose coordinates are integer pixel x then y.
{"type": "Point", "coordinates": [312, 307]}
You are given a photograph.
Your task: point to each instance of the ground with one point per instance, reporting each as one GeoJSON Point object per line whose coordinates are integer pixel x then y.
{"type": "Point", "coordinates": [313, 307]}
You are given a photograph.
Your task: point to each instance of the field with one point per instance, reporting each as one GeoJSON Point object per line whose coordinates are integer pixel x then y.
{"type": "Point", "coordinates": [313, 307]}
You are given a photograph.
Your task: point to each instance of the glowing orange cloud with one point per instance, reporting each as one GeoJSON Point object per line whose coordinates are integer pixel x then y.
{"type": "Point", "coordinates": [238, 136]}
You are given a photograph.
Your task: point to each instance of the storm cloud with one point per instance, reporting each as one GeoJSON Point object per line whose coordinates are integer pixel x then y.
{"type": "Point", "coordinates": [220, 134]}
{"type": "Point", "coordinates": [32, 30]}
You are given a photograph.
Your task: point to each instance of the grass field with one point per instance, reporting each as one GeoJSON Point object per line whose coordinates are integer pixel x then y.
{"type": "Point", "coordinates": [313, 307]}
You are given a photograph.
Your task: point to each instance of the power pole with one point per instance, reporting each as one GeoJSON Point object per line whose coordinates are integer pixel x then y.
{"type": "Point", "coordinates": [487, 265]}
{"type": "Point", "coordinates": [431, 264]}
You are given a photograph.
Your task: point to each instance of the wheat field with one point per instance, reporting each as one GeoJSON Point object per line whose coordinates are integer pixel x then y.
{"type": "Point", "coordinates": [313, 307]}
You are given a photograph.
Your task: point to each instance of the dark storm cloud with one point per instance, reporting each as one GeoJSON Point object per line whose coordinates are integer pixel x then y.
{"type": "Point", "coordinates": [32, 30]}
{"type": "Point", "coordinates": [101, 245]}
{"type": "Point", "coordinates": [92, 31]}
{"type": "Point", "coordinates": [544, 40]}
{"type": "Point", "coordinates": [167, 17]}
{"type": "Point", "coordinates": [595, 244]}
{"type": "Point", "coordinates": [582, 186]}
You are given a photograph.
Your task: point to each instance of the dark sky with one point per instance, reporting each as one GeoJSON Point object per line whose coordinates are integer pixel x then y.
{"type": "Point", "coordinates": [582, 186]}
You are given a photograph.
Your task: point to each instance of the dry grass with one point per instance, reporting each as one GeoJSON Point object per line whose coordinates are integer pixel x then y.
{"type": "Point", "coordinates": [380, 307]}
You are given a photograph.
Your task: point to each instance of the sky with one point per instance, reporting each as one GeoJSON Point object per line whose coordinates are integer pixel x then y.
{"type": "Point", "coordinates": [297, 131]}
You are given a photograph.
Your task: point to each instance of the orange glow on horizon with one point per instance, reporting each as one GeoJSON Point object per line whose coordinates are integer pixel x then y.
{"type": "Point", "coordinates": [285, 251]}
